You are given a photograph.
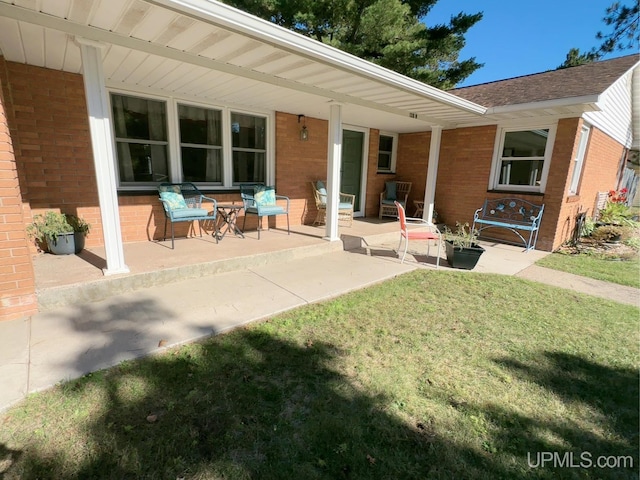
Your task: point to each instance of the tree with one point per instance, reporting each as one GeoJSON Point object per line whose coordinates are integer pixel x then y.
{"type": "Point", "coordinates": [625, 35]}
{"type": "Point", "coordinates": [390, 33]}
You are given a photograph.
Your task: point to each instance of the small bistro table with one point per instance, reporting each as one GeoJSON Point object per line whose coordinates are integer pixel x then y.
{"type": "Point", "coordinates": [229, 214]}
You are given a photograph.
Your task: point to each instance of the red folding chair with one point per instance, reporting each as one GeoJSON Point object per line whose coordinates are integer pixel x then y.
{"type": "Point", "coordinates": [432, 232]}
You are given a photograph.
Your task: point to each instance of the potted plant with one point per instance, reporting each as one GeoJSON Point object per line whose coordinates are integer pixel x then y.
{"type": "Point", "coordinates": [462, 248]}
{"type": "Point", "coordinates": [59, 233]}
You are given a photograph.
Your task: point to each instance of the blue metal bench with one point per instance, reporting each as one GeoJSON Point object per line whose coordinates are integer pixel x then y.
{"type": "Point", "coordinates": [513, 214]}
{"type": "Point", "coordinates": [183, 202]}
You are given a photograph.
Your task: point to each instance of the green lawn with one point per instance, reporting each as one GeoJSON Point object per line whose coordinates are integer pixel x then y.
{"type": "Point", "coordinates": [433, 375]}
{"type": "Point", "coordinates": [622, 272]}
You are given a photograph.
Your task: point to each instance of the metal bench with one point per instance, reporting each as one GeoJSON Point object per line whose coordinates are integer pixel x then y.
{"type": "Point", "coordinates": [513, 214]}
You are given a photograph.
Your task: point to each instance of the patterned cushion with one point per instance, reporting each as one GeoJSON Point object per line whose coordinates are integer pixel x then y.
{"type": "Point", "coordinates": [175, 200]}
{"type": "Point", "coordinates": [264, 196]}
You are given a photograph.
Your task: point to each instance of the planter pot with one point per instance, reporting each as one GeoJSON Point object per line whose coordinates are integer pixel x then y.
{"type": "Point", "coordinates": [67, 244]}
{"type": "Point", "coordinates": [465, 258]}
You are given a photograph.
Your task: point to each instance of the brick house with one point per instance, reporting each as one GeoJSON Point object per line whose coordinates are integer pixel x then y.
{"type": "Point", "coordinates": [99, 101]}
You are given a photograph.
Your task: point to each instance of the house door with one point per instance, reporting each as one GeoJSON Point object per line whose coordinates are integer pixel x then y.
{"type": "Point", "coordinates": [353, 149]}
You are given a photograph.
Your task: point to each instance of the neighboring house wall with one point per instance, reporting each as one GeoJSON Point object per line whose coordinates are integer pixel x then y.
{"type": "Point", "coordinates": [17, 278]}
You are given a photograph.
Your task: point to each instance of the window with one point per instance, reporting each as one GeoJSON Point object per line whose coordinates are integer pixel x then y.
{"type": "Point", "coordinates": [200, 144]}
{"type": "Point", "coordinates": [523, 159]}
{"type": "Point", "coordinates": [141, 139]}
{"type": "Point", "coordinates": [579, 160]}
{"type": "Point", "coordinates": [248, 134]}
{"type": "Point", "coordinates": [160, 140]}
{"type": "Point", "coordinates": [387, 153]}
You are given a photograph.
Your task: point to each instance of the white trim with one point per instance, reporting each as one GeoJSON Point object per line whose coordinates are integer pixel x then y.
{"type": "Point", "coordinates": [578, 161]}
{"type": "Point", "coordinates": [494, 176]}
{"type": "Point", "coordinates": [589, 102]}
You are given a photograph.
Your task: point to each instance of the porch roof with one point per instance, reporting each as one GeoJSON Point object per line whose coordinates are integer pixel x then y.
{"type": "Point", "coordinates": [207, 51]}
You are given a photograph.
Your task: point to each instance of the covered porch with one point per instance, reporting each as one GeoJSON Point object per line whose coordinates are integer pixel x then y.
{"type": "Point", "coordinates": [78, 279]}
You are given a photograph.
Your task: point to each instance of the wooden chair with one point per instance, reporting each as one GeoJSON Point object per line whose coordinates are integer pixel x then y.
{"type": "Point", "coordinates": [393, 191]}
{"type": "Point", "coordinates": [261, 200]}
{"type": "Point", "coordinates": [345, 207]}
{"type": "Point", "coordinates": [432, 232]}
{"type": "Point", "coordinates": [183, 202]}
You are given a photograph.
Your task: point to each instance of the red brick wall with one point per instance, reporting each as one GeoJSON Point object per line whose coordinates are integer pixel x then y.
{"type": "Point", "coordinates": [299, 163]}
{"type": "Point", "coordinates": [413, 164]}
{"type": "Point", "coordinates": [52, 144]}
{"type": "Point", "coordinates": [17, 279]}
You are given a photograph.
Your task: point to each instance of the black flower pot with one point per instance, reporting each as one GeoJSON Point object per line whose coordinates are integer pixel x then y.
{"type": "Point", "coordinates": [464, 258]}
{"type": "Point", "coordinates": [67, 244]}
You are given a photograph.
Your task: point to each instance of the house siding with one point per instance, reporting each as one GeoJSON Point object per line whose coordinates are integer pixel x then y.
{"type": "Point", "coordinates": [17, 278]}
{"type": "Point", "coordinates": [615, 116]}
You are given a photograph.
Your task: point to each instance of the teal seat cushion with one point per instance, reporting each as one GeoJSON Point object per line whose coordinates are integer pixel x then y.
{"type": "Point", "coordinates": [189, 212]}
{"type": "Point", "coordinates": [344, 206]}
{"type": "Point", "coordinates": [173, 200]}
{"type": "Point", "coordinates": [266, 210]}
{"type": "Point", "coordinates": [264, 196]}
{"type": "Point", "coordinates": [390, 202]}
{"type": "Point", "coordinates": [391, 190]}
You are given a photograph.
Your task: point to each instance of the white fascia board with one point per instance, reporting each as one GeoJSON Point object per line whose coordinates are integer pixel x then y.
{"type": "Point", "coordinates": [246, 24]}
{"type": "Point", "coordinates": [589, 103]}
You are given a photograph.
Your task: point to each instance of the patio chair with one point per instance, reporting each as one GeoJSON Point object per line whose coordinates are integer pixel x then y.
{"type": "Point", "coordinates": [393, 191]}
{"type": "Point", "coordinates": [183, 202]}
{"type": "Point", "coordinates": [408, 234]}
{"type": "Point", "coordinates": [345, 207]}
{"type": "Point", "coordinates": [261, 200]}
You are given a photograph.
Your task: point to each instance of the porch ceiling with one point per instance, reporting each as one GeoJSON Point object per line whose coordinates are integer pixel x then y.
{"type": "Point", "coordinates": [204, 50]}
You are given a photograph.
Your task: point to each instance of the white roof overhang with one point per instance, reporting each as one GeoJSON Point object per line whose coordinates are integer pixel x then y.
{"type": "Point", "coordinates": [207, 51]}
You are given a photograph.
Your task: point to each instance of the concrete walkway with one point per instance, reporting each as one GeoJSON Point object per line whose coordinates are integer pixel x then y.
{"type": "Point", "coordinates": [67, 342]}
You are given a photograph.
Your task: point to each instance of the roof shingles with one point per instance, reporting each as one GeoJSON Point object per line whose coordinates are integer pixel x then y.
{"type": "Point", "coordinates": [590, 79]}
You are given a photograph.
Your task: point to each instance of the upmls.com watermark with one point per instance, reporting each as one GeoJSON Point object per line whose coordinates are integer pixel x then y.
{"type": "Point", "coordinates": [577, 460]}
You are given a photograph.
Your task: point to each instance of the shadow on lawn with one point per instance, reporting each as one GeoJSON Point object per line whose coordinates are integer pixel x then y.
{"type": "Point", "coordinates": [251, 405]}
{"type": "Point", "coordinates": [608, 395]}
{"type": "Point", "coordinates": [246, 405]}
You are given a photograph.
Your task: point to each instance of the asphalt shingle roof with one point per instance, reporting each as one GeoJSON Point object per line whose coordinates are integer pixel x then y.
{"type": "Point", "coordinates": [590, 79]}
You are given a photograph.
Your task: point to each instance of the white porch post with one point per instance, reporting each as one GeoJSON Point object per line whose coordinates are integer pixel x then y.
{"type": "Point", "coordinates": [432, 173]}
{"type": "Point", "coordinates": [334, 157]}
{"type": "Point", "coordinates": [103, 154]}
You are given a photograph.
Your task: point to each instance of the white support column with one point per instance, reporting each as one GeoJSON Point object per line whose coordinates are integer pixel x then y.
{"type": "Point", "coordinates": [432, 173]}
{"type": "Point", "coordinates": [103, 154]}
{"type": "Point", "coordinates": [334, 157]}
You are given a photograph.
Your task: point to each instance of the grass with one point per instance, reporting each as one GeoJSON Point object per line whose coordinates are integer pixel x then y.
{"type": "Point", "coordinates": [431, 375]}
{"type": "Point", "coordinates": [623, 272]}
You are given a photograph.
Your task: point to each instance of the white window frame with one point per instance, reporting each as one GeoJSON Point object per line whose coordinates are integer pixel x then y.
{"type": "Point", "coordinates": [394, 153]}
{"type": "Point", "coordinates": [496, 164]}
{"type": "Point", "coordinates": [578, 161]}
{"type": "Point", "coordinates": [173, 133]}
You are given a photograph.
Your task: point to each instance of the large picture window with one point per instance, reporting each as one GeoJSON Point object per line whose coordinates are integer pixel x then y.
{"type": "Point", "coordinates": [523, 159]}
{"type": "Point", "coordinates": [160, 140]}
{"type": "Point", "coordinates": [141, 139]}
{"type": "Point", "coordinates": [200, 144]}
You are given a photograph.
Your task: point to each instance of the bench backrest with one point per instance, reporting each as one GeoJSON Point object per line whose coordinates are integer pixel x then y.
{"type": "Point", "coordinates": [511, 209]}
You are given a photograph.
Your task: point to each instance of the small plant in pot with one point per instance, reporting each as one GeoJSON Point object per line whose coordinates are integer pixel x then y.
{"type": "Point", "coordinates": [462, 248]}
{"type": "Point", "coordinates": [59, 233]}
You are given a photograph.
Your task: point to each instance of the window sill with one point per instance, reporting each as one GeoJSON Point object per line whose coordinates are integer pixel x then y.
{"type": "Point", "coordinates": [516, 192]}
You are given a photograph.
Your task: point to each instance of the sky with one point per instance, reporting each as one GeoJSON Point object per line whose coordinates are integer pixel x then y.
{"type": "Point", "coordinates": [520, 37]}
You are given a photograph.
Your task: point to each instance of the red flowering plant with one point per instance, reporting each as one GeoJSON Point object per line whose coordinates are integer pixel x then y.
{"type": "Point", "coordinates": [618, 196]}
{"type": "Point", "coordinates": [616, 211]}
